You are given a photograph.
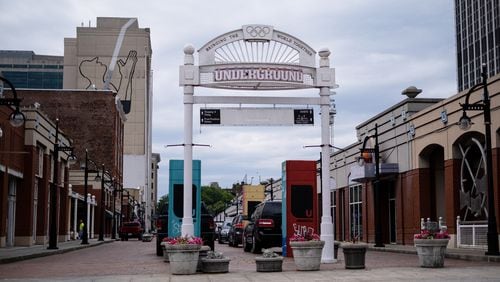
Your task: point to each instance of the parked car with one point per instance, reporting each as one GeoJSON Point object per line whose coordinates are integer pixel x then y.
{"type": "Point", "coordinates": [161, 232]}
{"type": "Point", "coordinates": [223, 233]}
{"type": "Point", "coordinates": [235, 233]}
{"type": "Point", "coordinates": [131, 229]}
{"type": "Point", "coordinates": [207, 230]}
{"type": "Point", "coordinates": [264, 228]}
{"type": "Point", "coordinates": [207, 227]}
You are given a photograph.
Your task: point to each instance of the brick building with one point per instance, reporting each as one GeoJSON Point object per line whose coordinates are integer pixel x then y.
{"type": "Point", "coordinates": [94, 120]}
{"type": "Point", "coordinates": [430, 168]}
{"type": "Point", "coordinates": [89, 59]}
{"type": "Point", "coordinates": [26, 165]}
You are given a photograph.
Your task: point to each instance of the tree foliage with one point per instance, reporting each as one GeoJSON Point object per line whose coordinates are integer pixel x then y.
{"type": "Point", "coordinates": [162, 207]}
{"type": "Point", "coordinates": [215, 198]}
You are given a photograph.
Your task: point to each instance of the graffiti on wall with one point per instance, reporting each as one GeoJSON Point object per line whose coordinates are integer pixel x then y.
{"type": "Point", "coordinates": [302, 230]}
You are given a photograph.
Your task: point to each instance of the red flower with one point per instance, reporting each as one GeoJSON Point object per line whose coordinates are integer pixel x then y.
{"type": "Point", "coordinates": [427, 234]}
{"type": "Point", "coordinates": [183, 240]}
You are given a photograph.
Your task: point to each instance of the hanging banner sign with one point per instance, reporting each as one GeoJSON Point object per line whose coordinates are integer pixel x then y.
{"type": "Point", "coordinates": [303, 116]}
{"type": "Point", "coordinates": [256, 117]}
{"type": "Point", "coordinates": [209, 116]}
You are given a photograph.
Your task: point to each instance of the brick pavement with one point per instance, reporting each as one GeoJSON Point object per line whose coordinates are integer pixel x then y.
{"type": "Point", "coordinates": [136, 261]}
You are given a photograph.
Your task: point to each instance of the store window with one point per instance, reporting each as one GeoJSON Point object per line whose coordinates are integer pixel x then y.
{"type": "Point", "coordinates": [356, 212]}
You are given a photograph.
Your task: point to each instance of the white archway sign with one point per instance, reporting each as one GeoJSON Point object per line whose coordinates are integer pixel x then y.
{"type": "Point", "coordinates": [258, 57]}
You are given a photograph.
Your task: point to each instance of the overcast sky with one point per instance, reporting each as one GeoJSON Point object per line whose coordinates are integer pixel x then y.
{"type": "Point", "coordinates": [379, 47]}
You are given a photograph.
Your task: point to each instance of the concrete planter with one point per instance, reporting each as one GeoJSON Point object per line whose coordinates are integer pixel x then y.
{"type": "Point", "coordinates": [354, 255]}
{"type": "Point", "coordinates": [336, 245]}
{"type": "Point", "coordinates": [431, 252]}
{"type": "Point", "coordinates": [146, 237]}
{"type": "Point", "coordinates": [307, 254]}
{"type": "Point", "coordinates": [274, 264]}
{"type": "Point", "coordinates": [165, 253]}
{"type": "Point", "coordinates": [183, 258]}
{"type": "Point", "coordinates": [203, 254]}
{"type": "Point", "coordinates": [215, 265]}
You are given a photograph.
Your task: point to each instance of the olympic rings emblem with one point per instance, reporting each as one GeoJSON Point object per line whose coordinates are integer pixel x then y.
{"type": "Point", "coordinates": [260, 31]}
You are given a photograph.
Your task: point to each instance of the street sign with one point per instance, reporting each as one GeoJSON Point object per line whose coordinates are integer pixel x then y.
{"type": "Point", "coordinates": [256, 117]}
{"type": "Point", "coordinates": [303, 116]}
{"type": "Point", "coordinates": [209, 116]}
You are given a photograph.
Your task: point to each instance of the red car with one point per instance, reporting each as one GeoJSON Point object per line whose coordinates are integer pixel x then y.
{"type": "Point", "coordinates": [131, 229]}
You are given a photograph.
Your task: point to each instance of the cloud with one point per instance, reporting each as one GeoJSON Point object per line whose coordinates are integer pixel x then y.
{"type": "Point", "coordinates": [378, 49]}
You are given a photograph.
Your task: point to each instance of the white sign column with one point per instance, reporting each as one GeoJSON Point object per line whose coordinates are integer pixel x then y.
{"type": "Point", "coordinates": [187, 228]}
{"type": "Point", "coordinates": [326, 219]}
{"type": "Point", "coordinates": [75, 217]}
{"type": "Point", "coordinates": [88, 214]}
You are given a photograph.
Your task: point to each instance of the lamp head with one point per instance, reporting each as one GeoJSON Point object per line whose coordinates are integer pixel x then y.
{"type": "Point", "coordinates": [98, 178]}
{"type": "Point", "coordinates": [17, 118]}
{"type": "Point", "coordinates": [72, 159]}
{"type": "Point", "coordinates": [465, 122]}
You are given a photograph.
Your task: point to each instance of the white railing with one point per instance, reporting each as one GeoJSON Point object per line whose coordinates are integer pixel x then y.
{"type": "Point", "coordinates": [472, 234]}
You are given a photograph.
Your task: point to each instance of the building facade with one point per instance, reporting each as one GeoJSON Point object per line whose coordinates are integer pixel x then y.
{"type": "Point", "coordinates": [477, 24]}
{"type": "Point", "coordinates": [154, 181]}
{"type": "Point", "coordinates": [27, 172]}
{"type": "Point", "coordinates": [25, 69]}
{"type": "Point", "coordinates": [430, 168]}
{"type": "Point", "coordinates": [116, 55]}
{"type": "Point", "coordinates": [95, 121]}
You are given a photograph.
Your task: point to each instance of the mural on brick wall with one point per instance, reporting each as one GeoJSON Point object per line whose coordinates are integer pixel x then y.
{"type": "Point", "coordinates": [94, 71]}
{"type": "Point", "coordinates": [473, 188]}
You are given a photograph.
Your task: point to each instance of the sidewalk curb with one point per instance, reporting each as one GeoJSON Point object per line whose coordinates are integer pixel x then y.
{"type": "Point", "coordinates": [52, 252]}
{"type": "Point", "coordinates": [449, 254]}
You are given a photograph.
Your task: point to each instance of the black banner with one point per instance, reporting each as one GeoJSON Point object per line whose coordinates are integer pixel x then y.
{"type": "Point", "coordinates": [303, 116]}
{"type": "Point", "coordinates": [209, 116]}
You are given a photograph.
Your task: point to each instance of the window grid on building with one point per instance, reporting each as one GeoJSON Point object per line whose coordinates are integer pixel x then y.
{"type": "Point", "coordinates": [477, 40]}
{"type": "Point", "coordinates": [356, 212]}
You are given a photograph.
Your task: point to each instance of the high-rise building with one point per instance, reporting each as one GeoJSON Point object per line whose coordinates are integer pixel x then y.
{"type": "Point", "coordinates": [25, 69]}
{"type": "Point", "coordinates": [116, 55]}
{"type": "Point", "coordinates": [477, 24]}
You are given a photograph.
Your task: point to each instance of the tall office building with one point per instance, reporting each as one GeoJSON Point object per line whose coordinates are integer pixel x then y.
{"type": "Point", "coordinates": [477, 25]}
{"type": "Point", "coordinates": [25, 69]}
{"type": "Point", "coordinates": [116, 55]}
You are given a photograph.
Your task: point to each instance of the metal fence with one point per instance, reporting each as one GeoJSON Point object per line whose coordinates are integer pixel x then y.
{"type": "Point", "coordinates": [472, 234]}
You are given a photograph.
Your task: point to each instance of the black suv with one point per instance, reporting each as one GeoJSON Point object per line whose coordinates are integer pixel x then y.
{"type": "Point", "coordinates": [161, 232]}
{"type": "Point", "coordinates": [207, 227]}
{"type": "Point", "coordinates": [234, 235]}
{"type": "Point", "coordinates": [264, 228]}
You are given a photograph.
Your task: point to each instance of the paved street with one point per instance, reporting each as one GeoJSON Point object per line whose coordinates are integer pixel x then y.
{"type": "Point", "coordinates": [136, 261]}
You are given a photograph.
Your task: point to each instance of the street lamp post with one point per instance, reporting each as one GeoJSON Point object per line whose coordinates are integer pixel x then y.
{"type": "Point", "coordinates": [103, 208]}
{"type": "Point", "coordinates": [16, 118]}
{"type": "Point", "coordinates": [376, 185]}
{"type": "Point", "coordinates": [85, 237]}
{"type": "Point", "coordinates": [271, 189]}
{"type": "Point", "coordinates": [53, 192]}
{"type": "Point", "coordinates": [465, 123]}
{"type": "Point", "coordinates": [115, 190]}
{"type": "Point", "coordinates": [113, 231]}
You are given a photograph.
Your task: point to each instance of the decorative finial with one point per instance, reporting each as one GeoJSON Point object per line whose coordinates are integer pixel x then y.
{"type": "Point", "coordinates": [189, 49]}
{"type": "Point", "coordinates": [411, 92]}
{"type": "Point", "coordinates": [324, 52]}
{"type": "Point", "coordinates": [188, 54]}
{"type": "Point", "coordinates": [324, 61]}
